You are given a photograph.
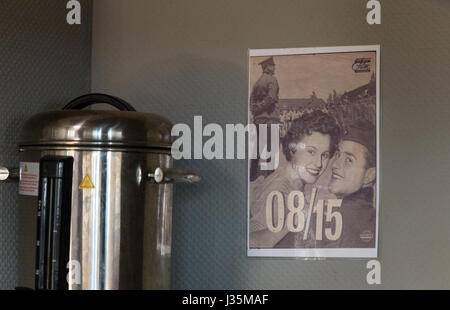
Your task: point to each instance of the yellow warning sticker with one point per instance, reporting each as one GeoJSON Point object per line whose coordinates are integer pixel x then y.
{"type": "Point", "coordinates": [86, 183]}
{"type": "Point", "coordinates": [25, 169]}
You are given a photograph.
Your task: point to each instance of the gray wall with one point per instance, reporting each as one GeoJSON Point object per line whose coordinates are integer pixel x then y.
{"type": "Point", "coordinates": [44, 62]}
{"type": "Point", "coordinates": [184, 58]}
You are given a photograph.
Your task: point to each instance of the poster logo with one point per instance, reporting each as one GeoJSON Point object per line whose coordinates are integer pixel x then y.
{"type": "Point", "coordinates": [366, 236]}
{"type": "Point", "coordinates": [361, 65]}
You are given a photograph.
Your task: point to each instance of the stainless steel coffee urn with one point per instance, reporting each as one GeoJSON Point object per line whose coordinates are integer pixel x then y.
{"type": "Point", "coordinates": [95, 206]}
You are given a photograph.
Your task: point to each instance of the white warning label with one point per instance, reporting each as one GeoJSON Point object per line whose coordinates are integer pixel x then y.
{"type": "Point", "coordinates": [29, 179]}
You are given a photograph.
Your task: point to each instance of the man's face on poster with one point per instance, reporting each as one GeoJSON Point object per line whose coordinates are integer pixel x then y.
{"type": "Point", "coordinates": [270, 69]}
{"type": "Point", "coordinates": [349, 169]}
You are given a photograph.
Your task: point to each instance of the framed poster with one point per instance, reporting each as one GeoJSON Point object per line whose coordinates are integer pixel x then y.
{"type": "Point", "coordinates": [321, 198]}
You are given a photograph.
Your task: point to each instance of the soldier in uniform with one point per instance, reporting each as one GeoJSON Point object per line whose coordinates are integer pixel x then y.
{"type": "Point", "coordinates": [353, 177]}
{"type": "Point", "coordinates": [263, 106]}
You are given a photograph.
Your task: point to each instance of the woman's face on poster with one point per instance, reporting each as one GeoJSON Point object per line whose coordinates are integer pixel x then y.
{"type": "Point", "coordinates": [311, 156]}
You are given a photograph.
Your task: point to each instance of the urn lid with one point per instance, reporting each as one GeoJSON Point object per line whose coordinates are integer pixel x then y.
{"type": "Point", "coordinates": [73, 126]}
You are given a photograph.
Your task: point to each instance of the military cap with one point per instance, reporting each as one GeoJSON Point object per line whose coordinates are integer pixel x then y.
{"type": "Point", "coordinates": [268, 61]}
{"type": "Point", "coordinates": [362, 132]}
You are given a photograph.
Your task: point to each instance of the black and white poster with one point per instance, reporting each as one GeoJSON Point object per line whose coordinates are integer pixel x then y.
{"type": "Point", "coordinates": [313, 189]}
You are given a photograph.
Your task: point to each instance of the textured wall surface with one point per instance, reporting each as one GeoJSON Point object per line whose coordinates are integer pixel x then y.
{"type": "Point", "coordinates": [185, 58]}
{"type": "Point", "coordinates": [44, 62]}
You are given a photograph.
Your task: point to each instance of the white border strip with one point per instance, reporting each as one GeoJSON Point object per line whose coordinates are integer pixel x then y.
{"type": "Point", "coordinates": [315, 253]}
{"type": "Point", "coordinates": [313, 50]}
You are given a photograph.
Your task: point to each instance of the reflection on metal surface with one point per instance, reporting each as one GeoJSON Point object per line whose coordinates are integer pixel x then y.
{"type": "Point", "coordinates": [121, 228]}
{"type": "Point", "coordinates": [94, 127]}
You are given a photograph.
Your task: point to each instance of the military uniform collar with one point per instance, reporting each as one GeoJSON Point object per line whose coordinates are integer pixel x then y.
{"type": "Point", "coordinates": [365, 193]}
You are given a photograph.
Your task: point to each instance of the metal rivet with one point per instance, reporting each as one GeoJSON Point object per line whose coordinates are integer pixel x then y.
{"type": "Point", "coordinates": [159, 175]}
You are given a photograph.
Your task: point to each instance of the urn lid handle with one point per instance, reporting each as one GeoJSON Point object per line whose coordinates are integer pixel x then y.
{"type": "Point", "coordinates": [84, 101]}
